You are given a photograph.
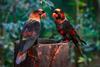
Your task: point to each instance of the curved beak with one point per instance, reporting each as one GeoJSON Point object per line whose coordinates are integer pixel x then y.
{"type": "Point", "coordinates": [43, 15]}
{"type": "Point", "coordinates": [54, 15]}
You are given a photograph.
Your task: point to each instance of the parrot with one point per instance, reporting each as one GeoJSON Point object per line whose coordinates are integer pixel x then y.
{"type": "Point", "coordinates": [29, 36]}
{"type": "Point", "coordinates": [67, 31]}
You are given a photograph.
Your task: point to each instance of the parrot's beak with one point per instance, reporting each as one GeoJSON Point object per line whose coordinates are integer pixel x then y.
{"type": "Point", "coordinates": [43, 15]}
{"type": "Point", "coordinates": [54, 15]}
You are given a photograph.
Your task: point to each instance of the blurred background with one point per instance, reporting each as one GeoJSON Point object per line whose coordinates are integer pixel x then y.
{"type": "Point", "coordinates": [84, 15]}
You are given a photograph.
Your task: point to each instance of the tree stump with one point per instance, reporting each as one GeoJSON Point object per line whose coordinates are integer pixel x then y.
{"type": "Point", "coordinates": [45, 51]}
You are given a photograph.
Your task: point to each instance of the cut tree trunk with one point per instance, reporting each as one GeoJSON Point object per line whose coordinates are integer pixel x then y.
{"type": "Point", "coordinates": [45, 54]}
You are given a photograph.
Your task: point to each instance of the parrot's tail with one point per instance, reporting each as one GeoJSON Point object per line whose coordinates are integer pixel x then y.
{"type": "Point", "coordinates": [79, 51]}
{"type": "Point", "coordinates": [83, 42]}
{"type": "Point", "coordinates": [20, 57]}
{"type": "Point", "coordinates": [33, 54]}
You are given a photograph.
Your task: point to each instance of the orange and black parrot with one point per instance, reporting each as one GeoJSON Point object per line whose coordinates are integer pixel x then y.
{"type": "Point", "coordinates": [29, 37]}
{"type": "Point", "coordinates": [66, 29]}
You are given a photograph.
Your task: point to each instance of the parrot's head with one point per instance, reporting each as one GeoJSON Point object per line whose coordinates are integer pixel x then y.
{"type": "Point", "coordinates": [37, 14]}
{"type": "Point", "coordinates": [41, 13]}
{"type": "Point", "coordinates": [58, 14]}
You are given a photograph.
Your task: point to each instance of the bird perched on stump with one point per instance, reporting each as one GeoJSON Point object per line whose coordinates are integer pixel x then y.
{"type": "Point", "coordinates": [66, 29]}
{"type": "Point", "coordinates": [29, 37]}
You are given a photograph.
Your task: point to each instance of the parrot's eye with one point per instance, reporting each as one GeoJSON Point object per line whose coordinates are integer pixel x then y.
{"type": "Point", "coordinates": [56, 12]}
{"type": "Point", "coordinates": [41, 12]}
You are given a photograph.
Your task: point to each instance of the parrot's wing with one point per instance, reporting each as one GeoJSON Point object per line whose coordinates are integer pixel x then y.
{"type": "Point", "coordinates": [32, 32]}
{"type": "Point", "coordinates": [73, 33]}
{"type": "Point", "coordinates": [29, 43]}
